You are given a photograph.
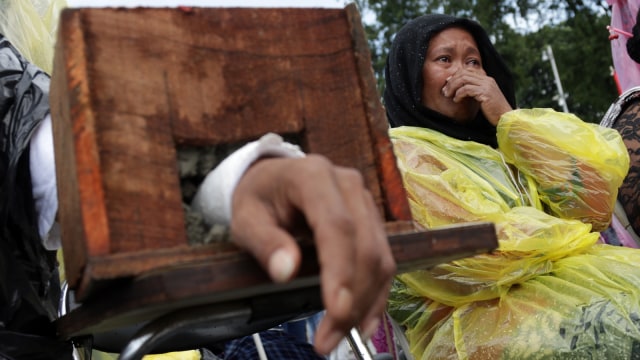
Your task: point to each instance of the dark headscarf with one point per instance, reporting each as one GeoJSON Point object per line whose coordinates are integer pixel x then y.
{"type": "Point", "coordinates": [403, 75]}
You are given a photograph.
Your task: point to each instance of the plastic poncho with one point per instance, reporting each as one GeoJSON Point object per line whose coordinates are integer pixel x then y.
{"type": "Point", "coordinates": [549, 291]}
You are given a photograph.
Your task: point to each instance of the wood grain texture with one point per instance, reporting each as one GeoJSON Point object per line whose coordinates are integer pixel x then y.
{"type": "Point", "coordinates": [131, 85]}
{"type": "Point", "coordinates": [393, 195]}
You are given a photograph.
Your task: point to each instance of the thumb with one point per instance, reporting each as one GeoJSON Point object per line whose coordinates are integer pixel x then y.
{"type": "Point", "coordinates": [276, 251]}
{"type": "Point", "coordinates": [282, 264]}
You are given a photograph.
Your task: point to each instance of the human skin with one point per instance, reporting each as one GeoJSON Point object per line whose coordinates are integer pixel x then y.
{"type": "Point", "coordinates": [276, 195]}
{"type": "Point", "coordinates": [454, 82]}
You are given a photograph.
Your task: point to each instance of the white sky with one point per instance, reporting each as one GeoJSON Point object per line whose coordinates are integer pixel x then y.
{"type": "Point", "coordinates": [208, 3]}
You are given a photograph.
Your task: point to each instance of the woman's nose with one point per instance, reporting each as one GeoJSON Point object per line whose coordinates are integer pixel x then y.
{"type": "Point", "coordinates": [453, 69]}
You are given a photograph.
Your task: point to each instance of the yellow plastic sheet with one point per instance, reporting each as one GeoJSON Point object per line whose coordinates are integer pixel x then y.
{"type": "Point", "coordinates": [460, 180]}
{"type": "Point", "coordinates": [30, 26]}
{"type": "Point", "coordinates": [178, 355]}
{"type": "Point", "coordinates": [577, 166]}
{"type": "Point", "coordinates": [549, 291]}
{"type": "Point", "coordinates": [530, 241]}
{"type": "Point", "coordinates": [584, 306]}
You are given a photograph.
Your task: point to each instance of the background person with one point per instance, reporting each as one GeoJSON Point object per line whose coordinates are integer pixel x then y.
{"type": "Point", "coordinates": [466, 156]}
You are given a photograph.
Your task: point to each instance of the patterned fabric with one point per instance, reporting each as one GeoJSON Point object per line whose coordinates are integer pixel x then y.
{"type": "Point", "coordinates": [624, 116]}
{"type": "Point", "coordinates": [628, 125]}
{"type": "Point", "coordinates": [278, 344]}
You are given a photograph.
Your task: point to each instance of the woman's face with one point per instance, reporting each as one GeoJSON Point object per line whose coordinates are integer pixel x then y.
{"type": "Point", "coordinates": [452, 51]}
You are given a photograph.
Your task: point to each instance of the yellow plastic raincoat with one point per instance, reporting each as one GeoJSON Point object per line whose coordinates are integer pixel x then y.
{"type": "Point", "coordinates": [550, 291]}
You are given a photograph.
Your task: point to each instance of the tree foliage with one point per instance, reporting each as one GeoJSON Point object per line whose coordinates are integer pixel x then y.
{"type": "Point", "coordinates": [521, 29]}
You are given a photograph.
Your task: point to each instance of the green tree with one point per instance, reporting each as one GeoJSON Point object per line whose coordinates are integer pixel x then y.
{"type": "Point", "coordinates": [521, 29]}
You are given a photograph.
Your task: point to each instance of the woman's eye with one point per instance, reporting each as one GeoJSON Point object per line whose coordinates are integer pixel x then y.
{"type": "Point", "coordinates": [474, 62]}
{"type": "Point", "coordinates": [442, 59]}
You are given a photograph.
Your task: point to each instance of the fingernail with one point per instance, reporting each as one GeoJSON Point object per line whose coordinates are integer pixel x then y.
{"type": "Point", "coordinates": [370, 329]}
{"type": "Point", "coordinates": [344, 301]}
{"type": "Point", "coordinates": [449, 78]}
{"type": "Point", "coordinates": [281, 266]}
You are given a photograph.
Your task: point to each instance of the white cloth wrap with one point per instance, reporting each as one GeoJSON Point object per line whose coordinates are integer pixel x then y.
{"type": "Point", "coordinates": [213, 199]}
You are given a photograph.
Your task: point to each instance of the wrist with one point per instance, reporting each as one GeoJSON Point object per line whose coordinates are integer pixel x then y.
{"type": "Point", "coordinates": [214, 197]}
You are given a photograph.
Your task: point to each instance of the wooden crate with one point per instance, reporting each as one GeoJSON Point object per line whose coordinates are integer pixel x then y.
{"type": "Point", "coordinates": [130, 85]}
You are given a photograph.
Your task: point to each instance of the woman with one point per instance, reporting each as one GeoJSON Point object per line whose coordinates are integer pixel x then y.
{"type": "Point", "coordinates": [466, 156]}
{"type": "Point", "coordinates": [464, 83]}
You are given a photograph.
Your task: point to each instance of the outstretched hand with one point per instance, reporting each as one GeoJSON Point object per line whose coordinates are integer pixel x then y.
{"type": "Point", "coordinates": [474, 83]}
{"type": "Point", "coordinates": [276, 195]}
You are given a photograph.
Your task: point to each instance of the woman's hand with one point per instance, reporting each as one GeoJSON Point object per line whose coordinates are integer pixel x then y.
{"type": "Point", "coordinates": [474, 83]}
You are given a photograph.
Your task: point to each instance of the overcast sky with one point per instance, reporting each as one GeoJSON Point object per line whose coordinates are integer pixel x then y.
{"type": "Point", "coordinates": [208, 3]}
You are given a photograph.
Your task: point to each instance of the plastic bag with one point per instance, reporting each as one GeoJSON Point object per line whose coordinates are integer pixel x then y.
{"type": "Point", "coordinates": [577, 166]}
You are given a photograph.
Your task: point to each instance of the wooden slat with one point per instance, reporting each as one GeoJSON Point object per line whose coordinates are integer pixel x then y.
{"type": "Point", "coordinates": [234, 275]}
{"type": "Point", "coordinates": [393, 193]}
{"type": "Point", "coordinates": [78, 205]}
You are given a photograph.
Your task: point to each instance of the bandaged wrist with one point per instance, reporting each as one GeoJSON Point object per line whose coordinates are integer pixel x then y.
{"type": "Point", "coordinates": [213, 198]}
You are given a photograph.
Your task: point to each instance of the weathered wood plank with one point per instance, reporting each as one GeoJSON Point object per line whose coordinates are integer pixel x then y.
{"type": "Point", "coordinates": [224, 273]}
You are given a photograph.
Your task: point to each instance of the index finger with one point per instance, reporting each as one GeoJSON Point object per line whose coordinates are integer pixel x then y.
{"type": "Point", "coordinates": [332, 211]}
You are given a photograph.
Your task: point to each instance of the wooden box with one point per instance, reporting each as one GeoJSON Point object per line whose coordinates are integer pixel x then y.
{"type": "Point", "coordinates": [130, 85]}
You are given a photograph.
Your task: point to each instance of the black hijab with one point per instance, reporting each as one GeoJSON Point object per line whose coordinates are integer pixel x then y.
{"type": "Point", "coordinates": [403, 76]}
